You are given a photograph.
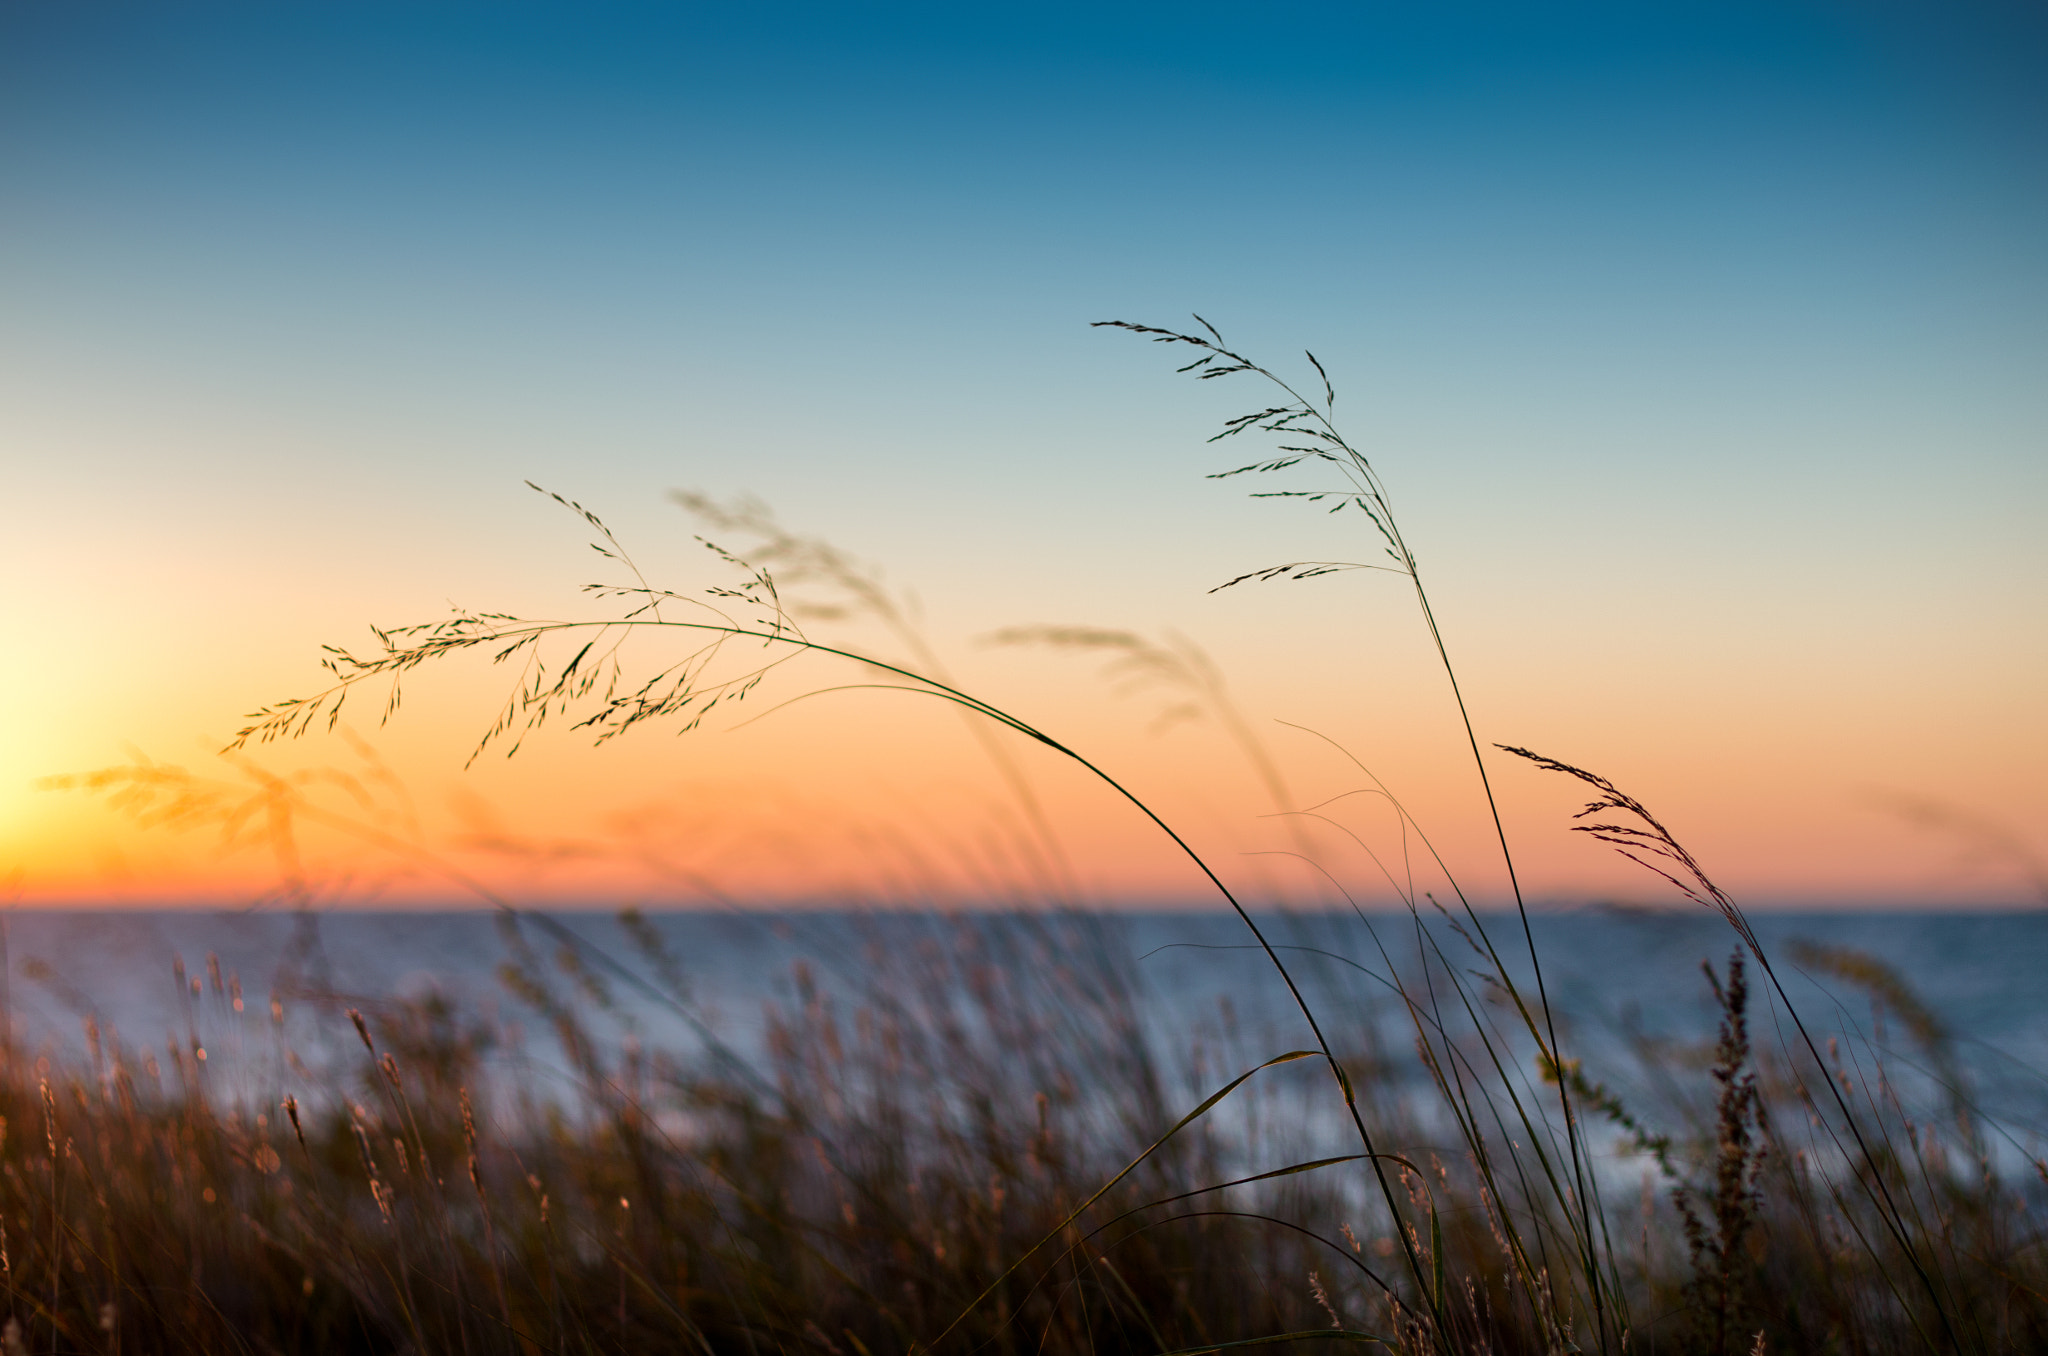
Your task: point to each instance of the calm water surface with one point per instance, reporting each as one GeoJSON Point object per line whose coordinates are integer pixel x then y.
{"type": "Point", "coordinates": [1616, 979]}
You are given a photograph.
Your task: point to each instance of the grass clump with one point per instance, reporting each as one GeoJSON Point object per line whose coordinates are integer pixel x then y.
{"type": "Point", "coordinates": [973, 1142]}
{"type": "Point", "coordinates": [960, 1135]}
{"type": "Point", "coordinates": [869, 1184]}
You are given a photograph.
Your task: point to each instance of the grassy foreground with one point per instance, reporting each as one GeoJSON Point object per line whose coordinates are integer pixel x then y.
{"type": "Point", "coordinates": [874, 1186]}
{"type": "Point", "coordinates": [978, 1146]}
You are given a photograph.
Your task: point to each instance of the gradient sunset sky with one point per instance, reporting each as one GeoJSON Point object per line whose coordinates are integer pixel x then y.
{"type": "Point", "coordinates": [1703, 349]}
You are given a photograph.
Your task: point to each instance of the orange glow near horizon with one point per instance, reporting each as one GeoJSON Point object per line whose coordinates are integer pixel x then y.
{"type": "Point", "coordinates": [1800, 765]}
{"type": "Point", "coordinates": [883, 799]}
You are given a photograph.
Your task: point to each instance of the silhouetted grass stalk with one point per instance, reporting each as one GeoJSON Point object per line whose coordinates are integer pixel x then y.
{"type": "Point", "coordinates": [676, 691]}
{"type": "Point", "coordinates": [1325, 447]}
{"type": "Point", "coordinates": [883, 1187]}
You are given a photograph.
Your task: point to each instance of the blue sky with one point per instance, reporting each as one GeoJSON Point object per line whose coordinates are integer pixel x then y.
{"type": "Point", "coordinates": [1692, 337]}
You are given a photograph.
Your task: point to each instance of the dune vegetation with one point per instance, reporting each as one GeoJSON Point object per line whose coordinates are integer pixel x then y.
{"type": "Point", "coordinates": [977, 1143]}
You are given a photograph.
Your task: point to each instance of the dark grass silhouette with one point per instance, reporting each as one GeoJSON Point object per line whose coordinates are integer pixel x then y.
{"type": "Point", "coordinates": [986, 1151]}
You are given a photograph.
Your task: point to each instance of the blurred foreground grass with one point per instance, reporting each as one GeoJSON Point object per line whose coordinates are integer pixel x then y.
{"type": "Point", "coordinates": [871, 1183]}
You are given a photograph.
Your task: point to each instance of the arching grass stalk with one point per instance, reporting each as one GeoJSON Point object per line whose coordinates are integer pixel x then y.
{"type": "Point", "coordinates": [592, 690]}
{"type": "Point", "coordinates": [848, 589]}
{"type": "Point", "coordinates": [1310, 437]}
{"type": "Point", "coordinates": [1180, 666]}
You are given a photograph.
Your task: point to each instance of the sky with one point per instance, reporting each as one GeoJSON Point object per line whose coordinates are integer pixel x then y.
{"type": "Point", "coordinates": [1701, 349]}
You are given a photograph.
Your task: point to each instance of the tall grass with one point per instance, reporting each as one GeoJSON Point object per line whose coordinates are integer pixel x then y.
{"type": "Point", "coordinates": [987, 1150]}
